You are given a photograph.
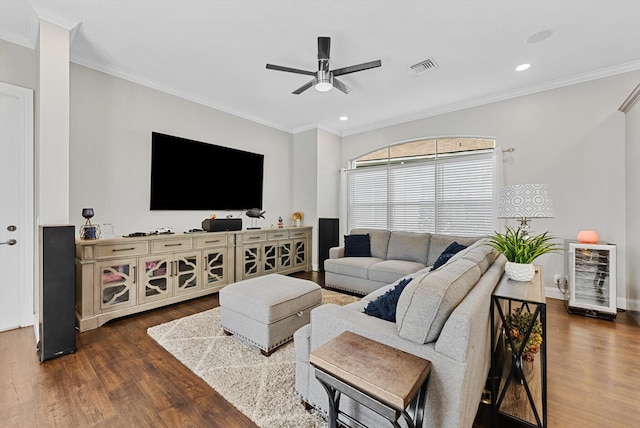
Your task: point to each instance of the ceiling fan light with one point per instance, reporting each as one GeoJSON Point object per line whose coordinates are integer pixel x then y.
{"type": "Point", "coordinates": [324, 81]}
{"type": "Point", "coordinates": [324, 86]}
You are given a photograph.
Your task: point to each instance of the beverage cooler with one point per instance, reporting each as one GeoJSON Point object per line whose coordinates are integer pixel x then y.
{"type": "Point", "coordinates": [591, 272]}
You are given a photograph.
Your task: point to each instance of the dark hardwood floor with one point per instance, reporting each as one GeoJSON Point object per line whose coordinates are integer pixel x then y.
{"type": "Point", "coordinates": [120, 377]}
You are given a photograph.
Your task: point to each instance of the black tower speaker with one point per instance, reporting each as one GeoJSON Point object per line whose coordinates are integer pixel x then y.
{"type": "Point", "coordinates": [57, 291]}
{"type": "Point", "coordinates": [328, 236]}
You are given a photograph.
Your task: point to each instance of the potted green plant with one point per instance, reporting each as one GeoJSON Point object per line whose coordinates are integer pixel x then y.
{"type": "Point", "coordinates": [518, 322]}
{"type": "Point", "coordinates": [517, 325]}
{"type": "Point", "coordinates": [521, 250]}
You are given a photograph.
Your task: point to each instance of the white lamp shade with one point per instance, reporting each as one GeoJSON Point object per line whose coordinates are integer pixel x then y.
{"type": "Point", "coordinates": [525, 201]}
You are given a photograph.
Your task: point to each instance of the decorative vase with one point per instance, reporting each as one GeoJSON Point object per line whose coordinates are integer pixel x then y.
{"type": "Point", "coordinates": [523, 369]}
{"type": "Point", "coordinates": [520, 271]}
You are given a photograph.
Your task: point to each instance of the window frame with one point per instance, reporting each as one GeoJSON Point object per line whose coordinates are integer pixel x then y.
{"type": "Point", "coordinates": [385, 209]}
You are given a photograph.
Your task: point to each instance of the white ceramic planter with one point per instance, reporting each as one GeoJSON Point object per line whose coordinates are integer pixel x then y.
{"type": "Point", "coordinates": [520, 271]}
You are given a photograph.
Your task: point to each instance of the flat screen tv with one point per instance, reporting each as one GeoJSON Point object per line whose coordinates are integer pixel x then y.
{"type": "Point", "coordinates": [192, 175]}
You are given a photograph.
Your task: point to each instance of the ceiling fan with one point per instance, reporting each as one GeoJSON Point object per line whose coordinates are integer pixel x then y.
{"type": "Point", "coordinates": [325, 79]}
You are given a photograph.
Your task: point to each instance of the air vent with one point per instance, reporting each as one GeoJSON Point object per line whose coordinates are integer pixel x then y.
{"type": "Point", "coordinates": [424, 66]}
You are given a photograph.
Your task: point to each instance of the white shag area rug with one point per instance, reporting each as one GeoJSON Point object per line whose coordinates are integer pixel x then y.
{"type": "Point", "coordinates": [263, 388]}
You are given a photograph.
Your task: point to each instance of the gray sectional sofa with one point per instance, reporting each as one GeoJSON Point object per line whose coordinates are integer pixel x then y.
{"type": "Point", "coordinates": [441, 315]}
{"type": "Point", "coordinates": [394, 254]}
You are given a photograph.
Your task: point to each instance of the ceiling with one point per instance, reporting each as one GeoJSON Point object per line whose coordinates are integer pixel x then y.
{"type": "Point", "coordinates": [214, 52]}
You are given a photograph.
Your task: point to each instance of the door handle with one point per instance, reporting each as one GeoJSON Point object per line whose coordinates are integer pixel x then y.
{"type": "Point", "coordinates": [9, 242]}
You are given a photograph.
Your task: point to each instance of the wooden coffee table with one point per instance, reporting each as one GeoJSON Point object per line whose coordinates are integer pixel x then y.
{"type": "Point", "coordinates": [384, 379]}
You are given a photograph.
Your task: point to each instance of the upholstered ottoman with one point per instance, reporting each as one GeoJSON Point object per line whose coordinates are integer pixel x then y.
{"type": "Point", "coordinates": [267, 310]}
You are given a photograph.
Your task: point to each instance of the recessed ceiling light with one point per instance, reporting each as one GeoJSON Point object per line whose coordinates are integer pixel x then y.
{"type": "Point", "coordinates": [344, 118]}
{"type": "Point", "coordinates": [539, 36]}
{"type": "Point", "coordinates": [522, 67]}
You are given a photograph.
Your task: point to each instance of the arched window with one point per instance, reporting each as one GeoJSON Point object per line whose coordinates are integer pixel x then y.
{"type": "Point", "coordinates": [436, 185]}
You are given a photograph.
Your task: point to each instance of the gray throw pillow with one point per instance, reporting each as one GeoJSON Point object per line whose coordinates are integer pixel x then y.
{"type": "Point", "coordinates": [424, 306]}
{"type": "Point", "coordinates": [411, 246]}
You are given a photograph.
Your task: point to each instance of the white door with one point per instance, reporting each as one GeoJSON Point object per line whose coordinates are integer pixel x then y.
{"type": "Point", "coordinates": [16, 207]}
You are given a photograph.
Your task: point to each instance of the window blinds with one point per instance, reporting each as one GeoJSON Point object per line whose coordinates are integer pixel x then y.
{"type": "Point", "coordinates": [451, 195]}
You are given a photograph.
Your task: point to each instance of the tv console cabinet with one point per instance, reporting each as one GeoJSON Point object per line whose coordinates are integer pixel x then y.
{"type": "Point", "coordinates": [123, 276]}
{"type": "Point", "coordinates": [265, 251]}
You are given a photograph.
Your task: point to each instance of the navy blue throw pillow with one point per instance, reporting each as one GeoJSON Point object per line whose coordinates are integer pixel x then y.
{"type": "Point", "coordinates": [357, 246]}
{"type": "Point", "coordinates": [448, 252]}
{"type": "Point", "coordinates": [384, 306]}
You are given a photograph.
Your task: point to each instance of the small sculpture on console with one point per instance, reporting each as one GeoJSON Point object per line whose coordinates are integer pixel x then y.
{"type": "Point", "coordinates": [255, 214]}
{"type": "Point", "coordinates": [280, 223]}
{"type": "Point", "coordinates": [297, 217]}
{"type": "Point", "coordinates": [88, 230]}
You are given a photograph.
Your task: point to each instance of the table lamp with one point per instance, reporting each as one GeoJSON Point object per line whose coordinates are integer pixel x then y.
{"type": "Point", "coordinates": [524, 202]}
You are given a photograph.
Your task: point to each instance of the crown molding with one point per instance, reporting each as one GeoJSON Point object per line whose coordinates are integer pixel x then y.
{"type": "Point", "coordinates": [554, 84]}
{"type": "Point", "coordinates": [316, 126]}
{"type": "Point", "coordinates": [631, 100]}
{"type": "Point", "coordinates": [17, 38]}
{"type": "Point", "coordinates": [141, 80]}
{"type": "Point", "coordinates": [44, 14]}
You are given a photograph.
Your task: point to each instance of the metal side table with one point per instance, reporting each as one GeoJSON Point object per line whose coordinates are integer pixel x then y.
{"type": "Point", "coordinates": [519, 384]}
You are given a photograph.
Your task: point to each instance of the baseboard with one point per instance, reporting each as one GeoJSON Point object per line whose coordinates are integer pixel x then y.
{"type": "Point", "coordinates": [629, 304]}
{"type": "Point", "coordinates": [621, 303]}
{"type": "Point", "coordinates": [554, 293]}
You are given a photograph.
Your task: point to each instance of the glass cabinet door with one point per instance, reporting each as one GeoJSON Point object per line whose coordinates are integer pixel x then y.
{"type": "Point", "coordinates": [300, 252]}
{"type": "Point", "coordinates": [214, 267]}
{"type": "Point", "coordinates": [186, 269]}
{"type": "Point", "coordinates": [251, 261]}
{"type": "Point", "coordinates": [270, 264]}
{"type": "Point", "coordinates": [156, 278]}
{"type": "Point", "coordinates": [117, 282]}
{"type": "Point", "coordinates": [284, 255]}
{"type": "Point", "coordinates": [593, 277]}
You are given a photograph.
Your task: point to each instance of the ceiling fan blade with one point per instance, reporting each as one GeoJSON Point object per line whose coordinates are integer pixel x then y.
{"type": "Point", "coordinates": [354, 68]}
{"type": "Point", "coordinates": [324, 46]}
{"type": "Point", "coordinates": [290, 70]}
{"type": "Point", "coordinates": [304, 87]}
{"type": "Point", "coordinates": [341, 86]}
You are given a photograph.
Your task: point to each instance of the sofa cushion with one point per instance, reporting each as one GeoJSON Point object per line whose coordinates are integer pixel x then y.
{"type": "Point", "coordinates": [439, 242]}
{"type": "Point", "coordinates": [447, 253]}
{"type": "Point", "coordinates": [410, 246]}
{"type": "Point", "coordinates": [351, 266]}
{"type": "Point", "coordinates": [389, 271]}
{"type": "Point", "coordinates": [384, 307]}
{"type": "Point", "coordinates": [478, 252]}
{"type": "Point", "coordinates": [357, 245]}
{"type": "Point", "coordinates": [425, 305]}
{"type": "Point", "coordinates": [482, 254]}
{"type": "Point", "coordinates": [379, 241]}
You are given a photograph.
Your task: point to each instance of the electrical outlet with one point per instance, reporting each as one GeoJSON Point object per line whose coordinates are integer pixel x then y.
{"type": "Point", "coordinates": [557, 278]}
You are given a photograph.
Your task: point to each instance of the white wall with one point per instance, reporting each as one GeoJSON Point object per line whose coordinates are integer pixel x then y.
{"type": "Point", "coordinates": [633, 205]}
{"type": "Point", "coordinates": [572, 138]}
{"type": "Point", "coordinates": [52, 124]}
{"type": "Point", "coordinates": [111, 124]}
{"type": "Point", "coordinates": [305, 182]}
{"type": "Point", "coordinates": [316, 163]}
{"type": "Point", "coordinates": [329, 150]}
{"type": "Point", "coordinates": [17, 65]}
